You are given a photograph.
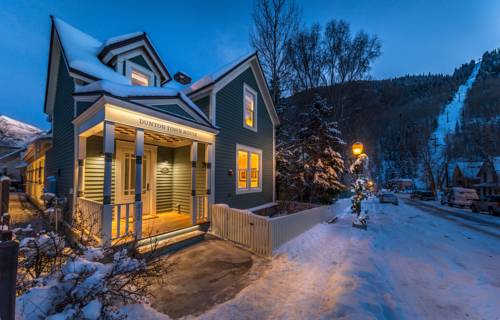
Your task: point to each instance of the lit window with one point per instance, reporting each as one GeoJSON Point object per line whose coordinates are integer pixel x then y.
{"type": "Point", "coordinates": [139, 79]}
{"type": "Point", "coordinates": [249, 169]}
{"type": "Point", "coordinates": [249, 108]}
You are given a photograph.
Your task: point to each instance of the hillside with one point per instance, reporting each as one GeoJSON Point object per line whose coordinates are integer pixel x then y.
{"type": "Point", "coordinates": [14, 133]}
{"type": "Point", "coordinates": [394, 118]}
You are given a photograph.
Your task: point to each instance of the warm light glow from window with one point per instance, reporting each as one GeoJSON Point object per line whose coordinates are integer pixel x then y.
{"type": "Point", "coordinates": [254, 172]}
{"type": "Point", "coordinates": [249, 109]}
{"type": "Point", "coordinates": [242, 169]}
{"type": "Point", "coordinates": [248, 170]}
{"type": "Point", "coordinates": [139, 79]}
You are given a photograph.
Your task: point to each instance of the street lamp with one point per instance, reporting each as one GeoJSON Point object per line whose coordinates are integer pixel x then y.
{"type": "Point", "coordinates": [360, 161]}
{"type": "Point", "coordinates": [357, 148]}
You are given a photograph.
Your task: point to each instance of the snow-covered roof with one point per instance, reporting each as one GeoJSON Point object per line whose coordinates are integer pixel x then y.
{"type": "Point", "coordinates": [15, 133]}
{"type": "Point", "coordinates": [123, 37]}
{"type": "Point", "coordinates": [214, 77]}
{"type": "Point", "coordinates": [470, 169]}
{"type": "Point", "coordinates": [128, 91]}
{"type": "Point", "coordinates": [81, 50]}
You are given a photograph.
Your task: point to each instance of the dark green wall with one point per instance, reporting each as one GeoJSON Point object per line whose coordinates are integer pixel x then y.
{"type": "Point", "coordinates": [140, 61]}
{"type": "Point", "coordinates": [204, 104]}
{"type": "Point", "coordinates": [229, 117]}
{"type": "Point", "coordinates": [60, 158]}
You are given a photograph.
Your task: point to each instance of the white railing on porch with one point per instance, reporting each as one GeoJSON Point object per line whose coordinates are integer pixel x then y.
{"type": "Point", "coordinates": [89, 215]}
{"type": "Point", "coordinates": [123, 221]}
{"type": "Point", "coordinates": [201, 208]}
{"type": "Point", "coordinates": [263, 235]}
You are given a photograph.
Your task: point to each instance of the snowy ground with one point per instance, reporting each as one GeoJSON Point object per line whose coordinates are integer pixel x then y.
{"type": "Point", "coordinates": [410, 264]}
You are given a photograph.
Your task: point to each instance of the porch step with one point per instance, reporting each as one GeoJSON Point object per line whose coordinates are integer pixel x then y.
{"type": "Point", "coordinates": [172, 241]}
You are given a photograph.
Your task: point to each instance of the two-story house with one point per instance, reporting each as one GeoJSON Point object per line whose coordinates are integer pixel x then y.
{"type": "Point", "coordinates": [489, 178]}
{"type": "Point", "coordinates": [138, 152]}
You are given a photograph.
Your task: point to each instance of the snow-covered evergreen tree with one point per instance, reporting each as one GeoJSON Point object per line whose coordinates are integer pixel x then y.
{"type": "Point", "coordinates": [309, 162]}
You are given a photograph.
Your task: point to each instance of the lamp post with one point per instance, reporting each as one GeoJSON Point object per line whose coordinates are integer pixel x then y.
{"type": "Point", "coordinates": [359, 163]}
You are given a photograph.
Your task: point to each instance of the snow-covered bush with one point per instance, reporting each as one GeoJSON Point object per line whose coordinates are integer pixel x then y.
{"type": "Point", "coordinates": [84, 285]}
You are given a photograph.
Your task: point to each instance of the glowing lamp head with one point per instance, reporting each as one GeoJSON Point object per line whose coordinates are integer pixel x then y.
{"type": "Point", "coordinates": [357, 148]}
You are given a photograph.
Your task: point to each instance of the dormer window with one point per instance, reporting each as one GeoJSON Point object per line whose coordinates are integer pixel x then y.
{"type": "Point", "coordinates": [249, 108]}
{"type": "Point", "coordinates": [139, 79]}
{"type": "Point", "coordinates": [139, 75]}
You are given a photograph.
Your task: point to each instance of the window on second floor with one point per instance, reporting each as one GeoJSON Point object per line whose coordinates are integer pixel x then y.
{"type": "Point", "coordinates": [249, 108]}
{"type": "Point", "coordinates": [139, 75]}
{"type": "Point", "coordinates": [139, 79]}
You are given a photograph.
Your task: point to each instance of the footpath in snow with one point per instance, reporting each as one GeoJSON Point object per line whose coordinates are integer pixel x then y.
{"type": "Point", "coordinates": [408, 265]}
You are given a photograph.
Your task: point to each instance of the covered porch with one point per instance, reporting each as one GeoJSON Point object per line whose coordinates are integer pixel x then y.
{"type": "Point", "coordinates": [140, 174]}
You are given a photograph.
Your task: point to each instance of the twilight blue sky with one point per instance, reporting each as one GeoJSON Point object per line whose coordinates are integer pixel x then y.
{"type": "Point", "coordinates": [199, 36]}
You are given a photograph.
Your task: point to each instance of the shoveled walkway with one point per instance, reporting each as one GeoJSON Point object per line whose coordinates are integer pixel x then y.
{"type": "Point", "coordinates": [203, 275]}
{"type": "Point", "coordinates": [22, 212]}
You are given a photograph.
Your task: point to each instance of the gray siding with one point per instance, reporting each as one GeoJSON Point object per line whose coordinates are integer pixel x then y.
{"type": "Point", "coordinates": [204, 104]}
{"type": "Point", "coordinates": [182, 180]}
{"type": "Point", "coordinates": [60, 158]}
{"type": "Point", "coordinates": [94, 171]}
{"type": "Point", "coordinates": [164, 181]}
{"type": "Point", "coordinates": [229, 117]}
{"type": "Point", "coordinates": [174, 109]}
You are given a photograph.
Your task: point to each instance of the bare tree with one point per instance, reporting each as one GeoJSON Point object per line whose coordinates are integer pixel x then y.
{"type": "Point", "coordinates": [305, 56]}
{"type": "Point", "coordinates": [276, 21]}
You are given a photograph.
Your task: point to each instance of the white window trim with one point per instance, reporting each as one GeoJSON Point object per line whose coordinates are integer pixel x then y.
{"type": "Point", "coordinates": [248, 149]}
{"type": "Point", "coordinates": [255, 107]}
{"type": "Point", "coordinates": [129, 66]}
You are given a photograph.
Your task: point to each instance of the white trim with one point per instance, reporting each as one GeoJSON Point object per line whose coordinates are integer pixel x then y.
{"type": "Point", "coordinates": [246, 88]}
{"type": "Point", "coordinates": [129, 145]}
{"type": "Point", "coordinates": [250, 150]}
{"type": "Point", "coordinates": [145, 49]}
{"type": "Point", "coordinates": [274, 164]}
{"type": "Point", "coordinates": [261, 83]}
{"type": "Point", "coordinates": [263, 206]}
{"type": "Point", "coordinates": [130, 66]}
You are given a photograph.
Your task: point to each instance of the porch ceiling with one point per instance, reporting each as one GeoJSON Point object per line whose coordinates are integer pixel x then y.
{"type": "Point", "coordinates": [150, 136]}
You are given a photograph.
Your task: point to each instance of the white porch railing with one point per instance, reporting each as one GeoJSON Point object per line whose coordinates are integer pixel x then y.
{"type": "Point", "coordinates": [89, 215]}
{"type": "Point", "coordinates": [201, 208]}
{"type": "Point", "coordinates": [261, 234]}
{"type": "Point", "coordinates": [123, 221]}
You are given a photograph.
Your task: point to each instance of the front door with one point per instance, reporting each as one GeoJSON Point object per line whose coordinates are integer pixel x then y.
{"type": "Point", "coordinates": [126, 178]}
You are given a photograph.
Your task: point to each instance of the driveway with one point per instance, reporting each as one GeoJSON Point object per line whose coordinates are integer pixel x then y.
{"type": "Point", "coordinates": [203, 275]}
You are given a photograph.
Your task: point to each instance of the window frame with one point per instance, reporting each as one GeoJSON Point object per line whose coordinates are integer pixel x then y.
{"type": "Point", "coordinates": [132, 66]}
{"type": "Point", "coordinates": [246, 88]}
{"type": "Point", "coordinates": [249, 150]}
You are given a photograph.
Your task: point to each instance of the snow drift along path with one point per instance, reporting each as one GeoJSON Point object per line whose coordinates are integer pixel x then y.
{"type": "Point", "coordinates": [408, 265]}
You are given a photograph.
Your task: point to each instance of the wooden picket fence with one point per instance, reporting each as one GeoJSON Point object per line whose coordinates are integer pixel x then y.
{"type": "Point", "coordinates": [263, 235]}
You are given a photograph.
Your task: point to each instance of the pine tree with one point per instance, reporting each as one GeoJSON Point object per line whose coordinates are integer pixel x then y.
{"type": "Point", "coordinates": [319, 142]}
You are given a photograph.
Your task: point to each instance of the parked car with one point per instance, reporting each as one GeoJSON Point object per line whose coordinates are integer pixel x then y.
{"type": "Point", "coordinates": [490, 204]}
{"type": "Point", "coordinates": [422, 195]}
{"type": "Point", "coordinates": [461, 197]}
{"type": "Point", "coordinates": [388, 198]}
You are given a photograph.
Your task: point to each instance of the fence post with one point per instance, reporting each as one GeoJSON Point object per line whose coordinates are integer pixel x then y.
{"type": "Point", "coordinates": [4, 194]}
{"type": "Point", "coordinates": [8, 273]}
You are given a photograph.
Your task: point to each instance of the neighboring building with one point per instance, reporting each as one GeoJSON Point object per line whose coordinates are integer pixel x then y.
{"type": "Point", "coordinates": [400, 184]}
{"type": "Point", "coordinates": [12, 166]}
{"type": "Point", "coordinates": [464, 173]}
{"type": "Point", "coordinates": [136, 150]}
{"type": "Point", "coordinates": [34, 174]}
{"type": "Point", "coordinates": [489, 176]}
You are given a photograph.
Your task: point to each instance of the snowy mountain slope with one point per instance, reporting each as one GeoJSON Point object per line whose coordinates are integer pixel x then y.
{"type": "Point", "coordinates": [448, 119]}
{"type": "Point", "coordinates": [14, 133]}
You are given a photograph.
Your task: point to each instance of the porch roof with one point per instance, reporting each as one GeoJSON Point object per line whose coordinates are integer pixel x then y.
{"type": "Point", "coordinates": [139, 115]}
{"type": "Point", "coordinates": [133, 93]}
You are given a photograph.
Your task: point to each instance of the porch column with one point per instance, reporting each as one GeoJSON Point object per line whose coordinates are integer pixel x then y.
{"type": "Point", "coordinates": [139, 153]}
{"type": "Point", "coordinates": [109, 148]}
{"type": "Point", "coordinates": [82, 153]}
{"type": "Point", "coordinates": [194, 158]}
{"type": "Point", "coordinates": [208, 177]}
